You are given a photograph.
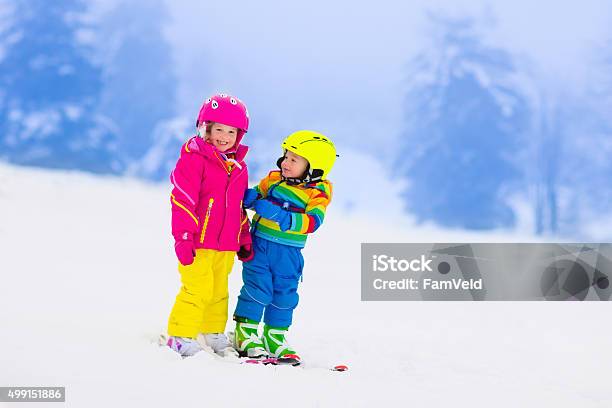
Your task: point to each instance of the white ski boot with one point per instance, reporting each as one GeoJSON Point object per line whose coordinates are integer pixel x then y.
{"type": "Point", "coordinates": [185, 346]}
{"type": "Point", "coordinates": [219, 344]}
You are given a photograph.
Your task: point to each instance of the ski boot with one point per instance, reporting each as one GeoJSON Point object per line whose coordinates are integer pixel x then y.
{"type": "Point", "coordinates": [247, 340]}
{"type": "Point", "coordinates": [219, 344]}
{"type": "Point", "coordinates": [185, 346]}
{"type": "Point", "coordinates": [276, 344]}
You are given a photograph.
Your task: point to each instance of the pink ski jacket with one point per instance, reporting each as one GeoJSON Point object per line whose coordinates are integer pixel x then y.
{"type": "Point", "coordinates": [207, 197]}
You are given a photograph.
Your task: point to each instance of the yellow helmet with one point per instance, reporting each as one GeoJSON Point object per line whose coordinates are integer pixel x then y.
{"type": "Point", "coordinates": [314, 147]}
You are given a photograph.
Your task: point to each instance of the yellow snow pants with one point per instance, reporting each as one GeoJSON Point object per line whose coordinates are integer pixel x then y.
{"type": "Point", "coordinates": [201, 305]}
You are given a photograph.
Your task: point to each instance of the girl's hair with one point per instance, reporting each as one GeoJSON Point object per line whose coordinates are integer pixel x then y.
{"type": "Point", "coordinates": [208, 129]}
{"type": "Point", "coordinates": [209, 126]}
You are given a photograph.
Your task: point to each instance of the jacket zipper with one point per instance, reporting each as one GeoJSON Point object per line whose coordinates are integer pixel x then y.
{"type": "Point", "coordinates": [227, 184]}
{"type": "Point", "coordinates": [210, 204]}
{"type": "Point", "coordinates": [241, 221]}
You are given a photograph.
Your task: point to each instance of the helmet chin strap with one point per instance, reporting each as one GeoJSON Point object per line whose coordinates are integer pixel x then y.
{"type": "Point", "coordinates": [307, 177]}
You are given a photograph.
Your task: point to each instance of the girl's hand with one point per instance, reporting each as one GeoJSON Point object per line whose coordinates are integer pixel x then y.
{"type": "Point", "coordinates": [185, 249]}
{"type": "Point", "coordinates": [246, 253]}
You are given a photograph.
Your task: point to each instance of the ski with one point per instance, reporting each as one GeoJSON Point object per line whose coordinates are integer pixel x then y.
{"type": "Point", "coordinates": [289, 360]}
{"type": "Point", "coordinates": [340, 367]}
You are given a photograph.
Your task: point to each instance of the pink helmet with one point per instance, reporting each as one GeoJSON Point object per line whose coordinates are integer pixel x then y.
{"type": "Point", "coordinates": [225, 109]}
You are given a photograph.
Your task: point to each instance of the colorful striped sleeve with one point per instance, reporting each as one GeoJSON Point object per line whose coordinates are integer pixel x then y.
{"type": "Point", "coordinates": [265, 183]}
{"type": "Point", "coordinates": [314, 214]}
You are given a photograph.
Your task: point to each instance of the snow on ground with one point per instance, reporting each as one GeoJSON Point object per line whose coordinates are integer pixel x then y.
{"type": "Point", "coordinates": [88, 277]}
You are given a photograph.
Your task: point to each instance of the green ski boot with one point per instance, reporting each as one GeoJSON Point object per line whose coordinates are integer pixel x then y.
{"type": "Point", "coordinates": [276, 344]}
{"type": "Point", "coordinates": [247, 340]}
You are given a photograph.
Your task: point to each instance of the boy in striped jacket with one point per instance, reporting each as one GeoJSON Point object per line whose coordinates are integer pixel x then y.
{"type": "Point", "coordinates": [289, 204]}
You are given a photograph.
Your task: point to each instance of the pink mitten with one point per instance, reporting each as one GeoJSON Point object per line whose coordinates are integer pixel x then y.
{"type": "Point", "coordinates": [246, 253]}
{"type": "Point", "coordinates": [184, 248]}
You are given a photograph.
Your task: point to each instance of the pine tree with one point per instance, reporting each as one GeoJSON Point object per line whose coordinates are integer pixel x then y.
{"type": "Point", "coordinates": [139, 81]}
{"type": "Point", "coordinates": [464, 125]}
{"type": "Point", "coordinates": [49, 90]}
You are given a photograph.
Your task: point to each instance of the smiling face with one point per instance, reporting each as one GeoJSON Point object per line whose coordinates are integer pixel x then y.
{"type": "Point", "coordinates": [221, 136]}
{"type": "Point", "coordinates": [293, 165]}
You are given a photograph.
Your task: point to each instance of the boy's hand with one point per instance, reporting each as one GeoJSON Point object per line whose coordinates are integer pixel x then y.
{"type": "Point", "coordinates": [273, 212]}
{"type": "Point", "coordinates": [246, 253]}
{"type": "Point", "coordinates": [184, 249]}
{"type": "Point", "coordinates": [250, 195]}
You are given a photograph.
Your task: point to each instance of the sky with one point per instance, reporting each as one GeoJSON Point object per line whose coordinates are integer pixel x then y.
{"type": "Point", "coordinates": [341, 67]}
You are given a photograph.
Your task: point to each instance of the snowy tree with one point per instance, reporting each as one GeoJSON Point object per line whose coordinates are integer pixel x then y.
{"type": "Point", "coordinates": [50, 88]}
{"type": "Point", "coordinates": [465, 121]}
{"type": "Point", "coordinates": [139, 80]}
{"type": "Point", "coordinates": [583, 136]}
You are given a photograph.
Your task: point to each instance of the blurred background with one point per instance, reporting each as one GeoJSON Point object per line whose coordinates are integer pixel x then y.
{"type": "Point", "coordinates": [471, 115]}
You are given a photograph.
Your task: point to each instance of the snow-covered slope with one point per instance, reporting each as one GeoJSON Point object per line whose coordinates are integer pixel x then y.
{"type": "Point", "coordinates": [88, 277]}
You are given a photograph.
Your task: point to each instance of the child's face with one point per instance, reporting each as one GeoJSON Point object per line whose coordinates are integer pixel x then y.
{"type": "Point", "coordinates": [293, 165]}
{"type": "Point", "coordinates": [221, 136]}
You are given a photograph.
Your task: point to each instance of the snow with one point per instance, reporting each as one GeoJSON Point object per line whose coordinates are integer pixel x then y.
{"type": "Point", "coordinates": [89, 277]}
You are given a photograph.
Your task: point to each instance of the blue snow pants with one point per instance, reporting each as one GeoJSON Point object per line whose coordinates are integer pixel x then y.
{"type": "Point", "coordinates": [270, 282]}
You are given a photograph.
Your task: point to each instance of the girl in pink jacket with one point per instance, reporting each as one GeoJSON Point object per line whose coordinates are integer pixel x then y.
{"type": "Point", "coordinates": [209, 225]}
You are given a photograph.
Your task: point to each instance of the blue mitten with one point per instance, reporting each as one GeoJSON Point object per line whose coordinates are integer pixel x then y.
{"type": "Point", "coordinates": [273, 212]}
{"type": "Point", "coordinates": [250, 195]}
